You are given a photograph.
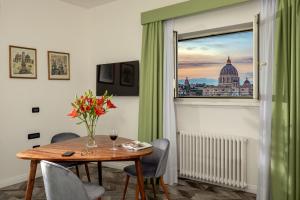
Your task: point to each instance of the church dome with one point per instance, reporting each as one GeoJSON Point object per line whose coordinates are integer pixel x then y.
{"type": "Point", "coordinates": [246, 83]}
{"type": "Point", "coordinates": [229, 69]}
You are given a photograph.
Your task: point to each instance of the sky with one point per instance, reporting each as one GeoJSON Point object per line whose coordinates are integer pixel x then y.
{"type": "Point", "coordinates": [203, 58]}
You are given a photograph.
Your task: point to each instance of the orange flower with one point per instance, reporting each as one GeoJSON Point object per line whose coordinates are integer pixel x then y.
{"type": "Point", "coordinates": [88, 108]}
{"type": "Point", "coordinates": [99, 111]}
{"type": "Point", "coordinates": [73, 113]}
{"type": "Point", "coordinates": [110, 104]}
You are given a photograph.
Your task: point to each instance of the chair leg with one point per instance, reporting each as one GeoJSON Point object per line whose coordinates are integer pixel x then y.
{"type": "Point", "coordinates": [87, 172]}
{"type": "Point", "coordinates": [126, 185]}
{"type": "Point", "coordinates": [77, 171]}
{"type": "Point", "coordinates": [153, 187]}
{"type": "Point", "coordinates": [137, 192]}
{"type": "Point", "coordinates": [164, 187]}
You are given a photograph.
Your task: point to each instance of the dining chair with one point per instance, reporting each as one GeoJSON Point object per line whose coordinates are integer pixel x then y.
{"type": "Point", "coordinates": [60, 183]}
{"type": "Point", "coordinates": [67, 136]}
{"type": "Point", "coordinates": [153, 165]}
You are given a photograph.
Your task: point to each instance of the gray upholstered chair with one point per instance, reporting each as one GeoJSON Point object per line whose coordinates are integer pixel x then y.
{"type": "Point", "coordinates": [67, 136]}
{"type": "Point", "coordinates": [154, 166]}
{"type": "Point", "coordinates": [60, 183]}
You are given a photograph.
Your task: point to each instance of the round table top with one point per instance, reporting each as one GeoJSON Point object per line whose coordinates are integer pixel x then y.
{"type": "Point", "coordinates": [53, 152]}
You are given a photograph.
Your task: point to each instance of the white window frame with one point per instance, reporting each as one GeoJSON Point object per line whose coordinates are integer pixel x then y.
{"type": "Point", "coordinates": [218, 31]}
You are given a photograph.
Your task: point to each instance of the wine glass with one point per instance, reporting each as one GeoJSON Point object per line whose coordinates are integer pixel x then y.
{"type": "Point", "coordinates": [113, 136]}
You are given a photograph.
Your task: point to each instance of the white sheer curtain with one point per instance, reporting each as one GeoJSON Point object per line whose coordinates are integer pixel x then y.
{"type": "Point", "coordinates": [267, 24]}
{"type": "Point", "coordinates": [169, 122]}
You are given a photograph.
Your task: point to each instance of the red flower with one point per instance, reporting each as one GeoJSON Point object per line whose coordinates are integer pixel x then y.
{"type": "Point", "coordinates": [90, 100]}
{"type": "Point", "coordinates": [73, 113]}
{"type": "Point", "coordinates": [99, 111]}
{"type": "Point", "coordinates": [82, 108]}
{"type": "Point", "coordinates": [110, 104]}
{"type": "Point", "coordinates": [88, 108]}
{"type": "Point", "coordinates": [100, 101]}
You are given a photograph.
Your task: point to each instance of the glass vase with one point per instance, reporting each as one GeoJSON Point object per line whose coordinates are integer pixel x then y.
{"type": "Point", "coordinates": [91, 143]}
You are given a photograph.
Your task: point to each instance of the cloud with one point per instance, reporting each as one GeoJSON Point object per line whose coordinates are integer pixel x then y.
{"type": "Point", "coordinates": [195, 64]}
{"type": "Point", "coordinates": [204, 48]}
{"type": "Point", "coordinates": [191, 48]}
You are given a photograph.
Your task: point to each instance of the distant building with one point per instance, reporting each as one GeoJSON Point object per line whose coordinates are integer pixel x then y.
{"type": "Point", "coordinates": [187, 86]}
{"type": "Point", "coordinates": [228, 85]}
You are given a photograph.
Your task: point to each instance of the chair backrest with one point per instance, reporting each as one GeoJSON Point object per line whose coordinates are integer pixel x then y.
{"type": "Point", "coordinates": [61, 183]}
{"type": "Point", "coordinates": [159, 156]}
{"type": "Point", "coordinates": [63, 136]}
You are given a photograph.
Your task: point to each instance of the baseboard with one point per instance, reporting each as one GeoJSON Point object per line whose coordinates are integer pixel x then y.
{"type": "Point", "coordinates": [251, 189]}
{"type": "Point", "coordinates": [17, 179]}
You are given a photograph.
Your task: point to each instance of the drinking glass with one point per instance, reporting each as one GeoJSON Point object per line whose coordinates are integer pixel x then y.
{"type": "Point", "coordinates": [113, 136]}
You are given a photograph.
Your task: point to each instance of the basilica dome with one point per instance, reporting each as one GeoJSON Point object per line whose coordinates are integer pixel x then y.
{"type": "Point", "coordinates": [229, 76]}
{"type": "Point", "coordinates": [229, 69]}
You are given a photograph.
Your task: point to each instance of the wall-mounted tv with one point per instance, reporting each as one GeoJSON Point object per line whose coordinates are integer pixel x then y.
{"type": "Point", "coordinates": [119, 79]}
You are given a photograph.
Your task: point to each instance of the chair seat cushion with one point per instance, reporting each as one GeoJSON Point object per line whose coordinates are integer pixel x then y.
{"type": "Point", "coordinates": [148, 170]}
{"type": "Point", "coordinates": [93, 191]}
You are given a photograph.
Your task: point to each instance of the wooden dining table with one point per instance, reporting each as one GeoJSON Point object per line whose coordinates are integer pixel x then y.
{"type": "Point", "coordinates": [102, 153]}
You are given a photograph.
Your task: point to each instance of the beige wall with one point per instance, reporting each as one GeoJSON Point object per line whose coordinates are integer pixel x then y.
{"type": "Point", "coordinates": [88, 35]}
{"type": "Point", "coordinates": [116, 34]}
{"type": "Point", "coordinates": [109, 33]}
{"type": "Point", "coordinates": [44, 25]}
{"type": "Point", "coordinates": [237, 118]}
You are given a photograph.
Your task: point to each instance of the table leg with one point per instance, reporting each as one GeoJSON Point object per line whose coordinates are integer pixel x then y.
{"type": "Point", "coordinates": [31, 179]}
{"type": "Point", "coordinates": [140, 178]}
{"type": "Point", "coordinates": [100, 173]}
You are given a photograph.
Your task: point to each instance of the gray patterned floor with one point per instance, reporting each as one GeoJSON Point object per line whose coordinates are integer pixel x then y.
{"type": "Point", "coordinates": [114, 184]}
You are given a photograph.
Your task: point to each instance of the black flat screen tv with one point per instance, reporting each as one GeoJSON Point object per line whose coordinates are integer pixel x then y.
{"type": "Point", "coordinates": [119, 79]}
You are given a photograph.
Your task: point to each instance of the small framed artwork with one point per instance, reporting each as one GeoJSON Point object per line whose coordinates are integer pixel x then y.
{"type": "Point", "coordinates": [58, 65]}
{"type": "Point", "coordinates": [127, 75]}
{"type": "Point", "coordinates": [106, 73]}
{"type": "Point", "coordinates": [22, 62]}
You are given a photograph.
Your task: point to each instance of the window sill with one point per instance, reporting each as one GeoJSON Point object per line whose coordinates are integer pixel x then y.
{"type": "Point", "coordinates": [218, 102]}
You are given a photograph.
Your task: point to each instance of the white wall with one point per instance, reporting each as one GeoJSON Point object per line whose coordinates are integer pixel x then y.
{"type": "Point", "coordinates": [109, 33]}
{"type": "Point", "coordinates": [44, 25]}
{"type": "Point", "coordinates": [238, 118]}
{"type": "Point", "coordinates": [116, 34]}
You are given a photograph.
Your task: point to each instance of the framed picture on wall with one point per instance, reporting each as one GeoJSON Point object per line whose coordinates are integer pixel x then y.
{"type": "Point", "coordinates": [127, 75]}
{"type": "Point", "coordinates": [106, 73]}
{"type": "Point", "coordinates": [22, 62]}
{"type": "Point", "coordinates": [58, 65]}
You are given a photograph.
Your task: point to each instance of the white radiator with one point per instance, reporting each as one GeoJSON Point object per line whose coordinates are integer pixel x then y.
{"type": "Point", "coordinates": [215, 159]}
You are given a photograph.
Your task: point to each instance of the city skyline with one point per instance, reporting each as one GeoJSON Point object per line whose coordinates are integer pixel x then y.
{"type": "Point", "coordinates": [201, 59]}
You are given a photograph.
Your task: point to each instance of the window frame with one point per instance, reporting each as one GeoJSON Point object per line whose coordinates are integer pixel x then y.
{"type": "Point", "coordinates": [253, 26]}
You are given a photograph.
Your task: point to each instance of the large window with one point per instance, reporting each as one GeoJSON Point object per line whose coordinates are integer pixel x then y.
{"type": "Point", "coordinates": [217, 65]}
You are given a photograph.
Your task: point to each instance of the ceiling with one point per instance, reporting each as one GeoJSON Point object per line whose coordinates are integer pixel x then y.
{"type": "Point", "coordinates": [87, 3]}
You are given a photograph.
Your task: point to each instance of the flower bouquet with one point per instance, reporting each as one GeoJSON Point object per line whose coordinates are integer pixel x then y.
{"type": "Point", "coordinates": [88, 108]}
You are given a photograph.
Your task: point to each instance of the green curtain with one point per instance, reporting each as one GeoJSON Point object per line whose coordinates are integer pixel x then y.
{"type": "Point", "coordinates": [151, 83]}
{"type": "Point", "coordinates": [285, 158]}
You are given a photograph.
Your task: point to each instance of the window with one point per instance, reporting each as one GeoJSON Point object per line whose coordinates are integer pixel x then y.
{"type": "Point", "coordinates": [218, 65]}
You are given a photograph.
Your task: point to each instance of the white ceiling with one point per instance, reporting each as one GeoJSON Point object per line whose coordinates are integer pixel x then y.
{"type": "Point", "coordinates": [88, 3]}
